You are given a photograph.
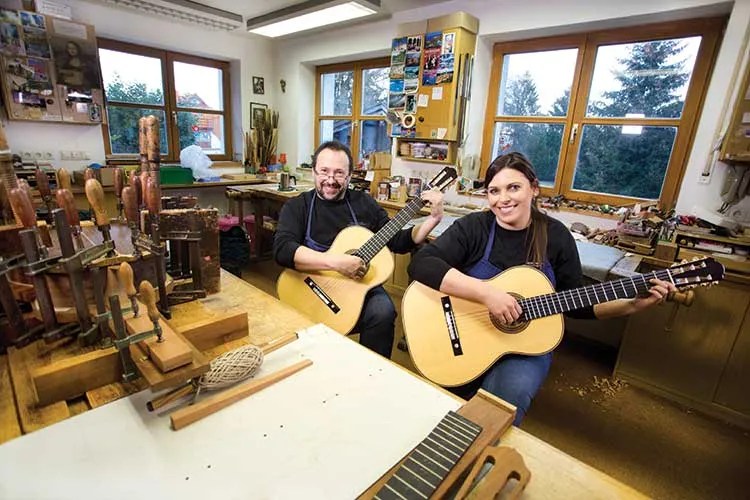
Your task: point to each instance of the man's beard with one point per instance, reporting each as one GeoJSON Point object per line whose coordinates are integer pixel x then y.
{"type": "Point", "coordinates": [334, 185]}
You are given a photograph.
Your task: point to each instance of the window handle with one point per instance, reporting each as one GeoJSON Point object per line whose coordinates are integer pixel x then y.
{"type": "Point", "coordinates": [573, 133]}
{"type": "Point", "coordinates": [174, 117]}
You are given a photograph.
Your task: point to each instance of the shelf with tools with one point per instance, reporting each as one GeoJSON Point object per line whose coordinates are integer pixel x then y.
{"type": "Point", "coordinates": [426, 150]}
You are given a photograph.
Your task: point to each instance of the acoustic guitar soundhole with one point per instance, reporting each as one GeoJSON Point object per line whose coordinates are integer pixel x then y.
{"type": "Point", "coordinates": [515, 327]}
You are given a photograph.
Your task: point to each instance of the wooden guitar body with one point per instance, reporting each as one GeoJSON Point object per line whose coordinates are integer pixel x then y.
{"type": "Point", "coordinates": [328, 297]}
{"type": "Point", "coordinates": [480, 342]}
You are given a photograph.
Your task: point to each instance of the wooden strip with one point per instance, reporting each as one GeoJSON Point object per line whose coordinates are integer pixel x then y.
{"type": "Point", "coordinates": [74, 376]}
{"type": "Point", "coordinates": [32, 418]}
{"type": "Point", "coordinates": [173, 352]}
{"type": "Point", "coordinates": [112, 392]}
{"type": "Point", "coordinates": [208, 333]}
{"type": "Point", "coordinates": [9, 426]}
{"type": "Point", "coordinates": [186, 416]}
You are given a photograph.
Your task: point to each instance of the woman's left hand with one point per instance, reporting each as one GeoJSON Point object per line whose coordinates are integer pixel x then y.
{"type": "Point", "coordinates": [657, 294]}
{"type": "Point", "coordinates": [434, 198]}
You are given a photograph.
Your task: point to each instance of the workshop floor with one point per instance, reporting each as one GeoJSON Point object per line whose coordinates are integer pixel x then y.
{"type": "Point", "coordinates": [650, 443]}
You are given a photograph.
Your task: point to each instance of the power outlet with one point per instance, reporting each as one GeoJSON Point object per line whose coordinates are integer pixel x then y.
{"type": "Point", "coordinates": [66, 155]}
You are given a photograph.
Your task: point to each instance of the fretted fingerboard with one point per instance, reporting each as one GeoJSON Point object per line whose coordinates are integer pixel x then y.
{"type": "Point", "coordinates": [430, 462]}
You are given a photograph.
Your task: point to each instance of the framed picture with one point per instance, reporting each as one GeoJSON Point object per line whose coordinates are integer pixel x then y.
{"type": "Point", "coordinates": [258, 86]}
{"type": "Point", "coordinates": [257, 113]}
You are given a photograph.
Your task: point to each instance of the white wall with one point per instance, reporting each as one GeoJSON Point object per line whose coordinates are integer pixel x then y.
{"type": "Point", "coordinates": [508, 20]}
{"type": "Point", "coordinates": [249, 56]}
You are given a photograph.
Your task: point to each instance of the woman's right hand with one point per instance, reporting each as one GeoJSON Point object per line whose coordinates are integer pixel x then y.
{"type": "Point", "coordinates": [502, 305]}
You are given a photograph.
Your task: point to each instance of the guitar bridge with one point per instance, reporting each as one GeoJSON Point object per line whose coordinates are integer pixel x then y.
{"type": "Point", "coordinates": [450, 323]}
{"type": "Point", "coordinates": [324, 298]}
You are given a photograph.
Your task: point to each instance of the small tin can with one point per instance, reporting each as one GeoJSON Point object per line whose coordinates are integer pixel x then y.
{"type": "Point", "coordinates": [384, 191]}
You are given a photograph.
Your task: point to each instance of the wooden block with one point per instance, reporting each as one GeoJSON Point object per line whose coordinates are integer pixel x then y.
{"type": "Point", "coordinates": [666, 250]}
{"type": "Point", "coordinates": [209, 333]}
{"type": "Point", "coordinates": [172, 352]}
{"type": "Point", "coordinates": [158, 380]}
{"type": "Point", "coordinates": [9, 426]}
{"type": "Point", "coordinates": [32, 417]}
{"type": "Point", "coordinates": [74, 376]}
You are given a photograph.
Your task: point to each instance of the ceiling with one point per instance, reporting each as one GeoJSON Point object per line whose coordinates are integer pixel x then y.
{"type": "Point", "coordinates": [259, 7]}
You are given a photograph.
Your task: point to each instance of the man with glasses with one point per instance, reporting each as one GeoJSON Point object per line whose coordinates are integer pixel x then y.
{"type": "Point", "coordinates": [309, 223]}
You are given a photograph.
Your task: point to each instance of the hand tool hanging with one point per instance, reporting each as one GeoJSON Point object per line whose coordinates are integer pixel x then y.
{"type": "Point", "coordinates": [73, 265]}
{"type": "Point", "coordinates": [42, 185]}
{"type": "Point", "coordinates": [66, 201]}
{"type": "Point", "coordinates": [119, 182]}
{"type": "Point", "coordinates": [16, 326]}
{"type": "Point", "coordinates": [122, 341]}
{"type": "Point", "coordinates": [37, 263]}
{"type": "Point", "coordinates": [95, 195]}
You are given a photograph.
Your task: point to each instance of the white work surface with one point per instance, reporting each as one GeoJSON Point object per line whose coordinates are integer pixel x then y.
{"type": "Point", "coordinates": [329, 431]}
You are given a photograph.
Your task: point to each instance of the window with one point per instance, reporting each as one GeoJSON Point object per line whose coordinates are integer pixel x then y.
{"type": "Point", "coordinates": [351, 102]}
{"type": "Point", "coordinates": [605, 117]}
{"type": "Point", "coordinates": [189, 95]}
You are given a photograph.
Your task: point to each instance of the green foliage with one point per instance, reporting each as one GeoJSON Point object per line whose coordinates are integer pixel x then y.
{"type": "Point", "coordinates": [609, 161]}
{"type": "Point", "coordinates": [123, 121]}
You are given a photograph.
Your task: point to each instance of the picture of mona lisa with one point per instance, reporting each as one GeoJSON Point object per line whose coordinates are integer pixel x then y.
{"type": "Point", "coordinates": [76, 63]}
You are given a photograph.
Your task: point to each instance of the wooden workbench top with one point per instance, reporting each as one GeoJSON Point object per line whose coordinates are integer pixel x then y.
{"type": "Point", "coordinates": [268, 319]}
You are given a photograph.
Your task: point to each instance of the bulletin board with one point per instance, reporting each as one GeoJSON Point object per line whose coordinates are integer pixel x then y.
{"type": "Point", "coordinates": [50, 69]}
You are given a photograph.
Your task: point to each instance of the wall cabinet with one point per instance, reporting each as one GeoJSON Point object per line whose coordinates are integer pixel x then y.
{"type": "Point", "coordinates": [699, 355]}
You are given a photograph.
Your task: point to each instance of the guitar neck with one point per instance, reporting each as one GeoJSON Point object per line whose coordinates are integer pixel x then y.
{"type": "Point", "coordinates": [376, 243]}
{"type": "Point", "coordinates": [578, 298]}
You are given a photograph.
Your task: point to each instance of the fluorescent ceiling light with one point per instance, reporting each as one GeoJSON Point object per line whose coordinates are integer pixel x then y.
{"type": "Point", "coordinates": [310, 20]}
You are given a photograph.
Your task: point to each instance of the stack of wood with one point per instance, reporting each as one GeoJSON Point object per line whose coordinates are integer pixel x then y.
{"type": "Point", "coordinates": [261, 141]}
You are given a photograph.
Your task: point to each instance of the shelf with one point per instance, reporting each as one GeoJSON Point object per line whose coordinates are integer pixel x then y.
{"type": "Point", "coordinates": [426, 160]}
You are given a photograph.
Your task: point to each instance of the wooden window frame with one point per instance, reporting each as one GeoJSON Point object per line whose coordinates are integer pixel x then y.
{"type": "Point", "coordinates": [709, 29]}
{"type": "Point", "coordinates": [170, 107]}
{"type": "Point", "coordinates": [357, 67]}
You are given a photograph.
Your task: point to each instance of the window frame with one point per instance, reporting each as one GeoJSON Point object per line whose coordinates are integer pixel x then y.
{"type": "Point", "coordinates": [357, 67]}
{"type": "Point", "coordinates": [170, 107]}
{"type": "Point", "coordinates": [709, 29]}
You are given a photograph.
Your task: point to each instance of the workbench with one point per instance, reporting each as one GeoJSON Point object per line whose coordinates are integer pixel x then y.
{"type": "Point", "coordinates": [264, 199]}
{"type": "Point", "coordinates": [313, 435]}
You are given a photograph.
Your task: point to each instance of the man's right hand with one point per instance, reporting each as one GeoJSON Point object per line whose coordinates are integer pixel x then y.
{"type": "Point", "coordinates": [350, 266]}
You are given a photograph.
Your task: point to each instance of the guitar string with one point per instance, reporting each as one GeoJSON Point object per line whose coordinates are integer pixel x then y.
{"type": "Point", "coordinates": [545, 303]}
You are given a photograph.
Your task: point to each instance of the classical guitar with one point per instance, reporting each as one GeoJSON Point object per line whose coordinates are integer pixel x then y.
{"type": "Point", "coordinates": [335, 300]}
{"type": "Point", "coordinates": [452, 341]}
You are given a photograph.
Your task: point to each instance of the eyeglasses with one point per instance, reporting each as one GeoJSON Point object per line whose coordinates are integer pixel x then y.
{"type": "Point", "coordinates": [339, 175]}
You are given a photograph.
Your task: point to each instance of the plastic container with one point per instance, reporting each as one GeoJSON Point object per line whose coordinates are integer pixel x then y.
{"type": "Point", "coordinates": [169, 174]}
{"type": "Point", "coordinates": [228, 221]}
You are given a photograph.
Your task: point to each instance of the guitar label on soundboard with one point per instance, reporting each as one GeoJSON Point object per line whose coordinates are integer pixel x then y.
{"type": "Point", "coordinates": [450, 323]}
{"type": "Point", "coordinates": [324, 298]}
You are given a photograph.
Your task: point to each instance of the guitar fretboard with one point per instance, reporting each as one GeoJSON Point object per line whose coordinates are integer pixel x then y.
{"type": "Point", "coordinates": [578, 298]}
{"type": "Point", "coordinates": [430, 462]}
{"type": "Point", "coordinates": [376, 243]}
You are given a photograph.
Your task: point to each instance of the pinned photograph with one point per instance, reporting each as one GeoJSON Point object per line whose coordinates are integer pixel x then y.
{"type": "Point", "coordinates": [396, 101]}
{"type": "Point", "coordinates": [397, 86]}
{"type": "Point", "coordinates": [413, 43]}
{"type": "Point", "coordinates": [10, 40]}
{"type": "Point", "coordinates": [397, 71]}
{"type": "Point", "coordinates": [411, 72]}
{"type": "Point", "coordinates": [9, 16]}
{"type": "Point", "coordinates": [433, 40]}
{"type": "Point", "coordinates": [33, 20]}
{"type": "Point", "coordinates": [448, 40]}
{"type": "Point", "coordinates": [36, 43]}
{"type": "Point", "coordinates": [76, 62]}
{"type": "Point", "coordinates": [398, 57]}
{"type": "Point", "coordinates": [258, 85]}
{"type": "Point", "coordinates": [399, 45]}
{"type": "Point", "coordinates": [411, 85]}
{"type": "Point", "coordinates": [411, 103]}
{"type": "Point", "coordinates": [412, 58]}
